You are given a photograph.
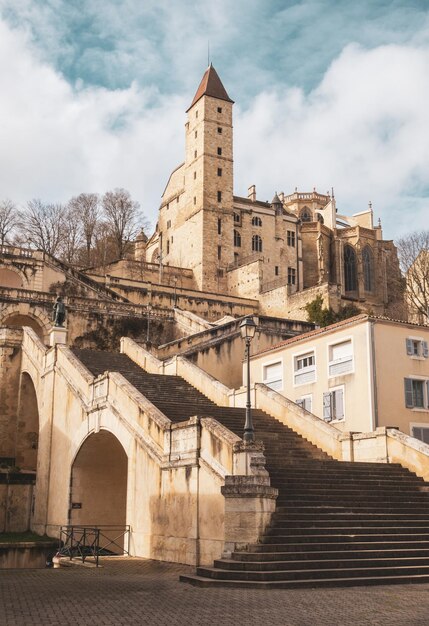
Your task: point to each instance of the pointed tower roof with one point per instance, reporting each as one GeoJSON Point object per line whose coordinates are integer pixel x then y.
{"type": "Point", "coordinates": [211, 85]}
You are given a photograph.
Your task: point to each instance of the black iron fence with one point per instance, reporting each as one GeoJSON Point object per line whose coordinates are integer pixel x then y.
{"type": "Point", "coordinates": [91, 542]}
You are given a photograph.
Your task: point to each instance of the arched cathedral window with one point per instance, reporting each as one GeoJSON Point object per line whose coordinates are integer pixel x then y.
{"type": "Point", "coordinates": [350, 272]}
{"type": "Point", "coordinates": [256, 243]}
{"type": "Point", "coordinates": [256, 221]}
{"type": "Point", "coordinates": [305, 215]}
{"type": "Point", "coordinates": [368, 268]}
{"type": "Point", "coordinates": [237, 239]}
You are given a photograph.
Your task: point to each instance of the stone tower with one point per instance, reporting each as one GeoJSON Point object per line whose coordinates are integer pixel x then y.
{"type": "Point", "coordinates": [196, 215]}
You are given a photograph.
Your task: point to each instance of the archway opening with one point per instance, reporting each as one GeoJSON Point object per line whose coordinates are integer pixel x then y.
{"type": "Point", "coordinates": [27, 431]}
{"type": "Point", "coordinates": [98, 490]}
{"type": "Point", "coordinates": [10, 278]}
{"type": "Point", "coordinates": [18, 321]}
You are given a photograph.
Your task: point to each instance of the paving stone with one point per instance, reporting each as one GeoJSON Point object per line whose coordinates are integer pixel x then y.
{"type": "Point", "coordinates": [139, 591]}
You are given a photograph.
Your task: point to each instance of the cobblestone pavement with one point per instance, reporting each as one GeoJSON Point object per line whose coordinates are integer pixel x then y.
{"type": "Point", "coordinates": [137, 591]}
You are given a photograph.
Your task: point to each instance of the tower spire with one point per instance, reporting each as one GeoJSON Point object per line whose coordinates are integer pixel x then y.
{"type": "Point", "coordinates": [211, 85]}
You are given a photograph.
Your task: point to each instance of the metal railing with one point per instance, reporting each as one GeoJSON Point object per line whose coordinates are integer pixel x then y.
{"type": "Point", "coordinates": [83, 542]}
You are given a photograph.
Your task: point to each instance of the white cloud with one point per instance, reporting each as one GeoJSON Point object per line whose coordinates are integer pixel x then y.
{"type": "Point", "coordinates": [363, 130]}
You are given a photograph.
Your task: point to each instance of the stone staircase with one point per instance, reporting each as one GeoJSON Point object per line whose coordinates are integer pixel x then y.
{"type": "Point", "coordinates": [336, 523]}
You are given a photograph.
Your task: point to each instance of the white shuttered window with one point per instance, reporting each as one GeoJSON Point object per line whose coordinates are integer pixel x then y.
{"type": "Point", "coordinates": [273, 375]}
{"type": "Point", "coordinates": [341, 358]}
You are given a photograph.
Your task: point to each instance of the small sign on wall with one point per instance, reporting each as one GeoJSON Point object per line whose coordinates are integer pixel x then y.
{"type": "Point", "coordinates": [76, 505]}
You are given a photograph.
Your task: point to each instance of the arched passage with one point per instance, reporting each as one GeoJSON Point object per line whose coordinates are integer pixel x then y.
{"type": "Point", "coordinates": [18, 321]}
{"type": "Point", "coordinates": [98, 488]}
{"type": "Point", "coordinates": [10, 278]}
{"type": "Point", "coordinates": [27, 432]}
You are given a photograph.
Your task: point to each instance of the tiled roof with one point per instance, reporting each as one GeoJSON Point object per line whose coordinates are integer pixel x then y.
{"type": "Point", "coordinates": [313, 333]}
{"type": "Point", "coordinates": [211, 85]}
{"type": "Point", "coordinates": [320, 331]}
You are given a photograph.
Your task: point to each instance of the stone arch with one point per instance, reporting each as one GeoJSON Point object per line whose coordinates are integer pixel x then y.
{"type": "Point", "coordinates": [98, 484]}
{"type": "Point", "coordinates": [19, 315]}
{"type": "Point", "coordinates": [11, 277]}
{"type": "Point", "coordinates": [28, 424]}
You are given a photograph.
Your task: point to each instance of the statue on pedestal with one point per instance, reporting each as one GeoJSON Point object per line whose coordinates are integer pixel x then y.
{"type": "Point", "coordinates": [59, 313]}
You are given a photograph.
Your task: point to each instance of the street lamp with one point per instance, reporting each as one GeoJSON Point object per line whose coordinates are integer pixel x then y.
{"type": "Point", "coordinates": [149, 308]}
{"type": "Point", "coordinates": [247, 330]}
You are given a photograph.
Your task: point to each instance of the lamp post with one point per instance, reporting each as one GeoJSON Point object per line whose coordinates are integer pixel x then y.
{"type": "Point", "coordinates": [149, 308]}
{"type": "Point", "coordinates": [247, 330]}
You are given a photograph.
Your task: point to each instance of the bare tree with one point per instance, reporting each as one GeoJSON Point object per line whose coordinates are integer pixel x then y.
{"type": "Point", "coordinates": [87, 207]}
{"type": "Point", "coordinates": [42, 226]}
{"type": "Point", "coordinates": [413, 252]}
{"type": "Point", "coordinates": [9, 220]}
{"type": "Point", "coordinates": [122, 215]}
{"type": "Point", "coordinates": [72, 234]}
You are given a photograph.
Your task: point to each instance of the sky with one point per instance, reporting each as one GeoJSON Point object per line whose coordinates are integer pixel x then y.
{"type": "Point", "coordinates": [328, 94]}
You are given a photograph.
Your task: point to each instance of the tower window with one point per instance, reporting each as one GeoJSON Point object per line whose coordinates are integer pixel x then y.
{"type": "Point", "coordinates": [256, 243]}
{"type": "Point", "coordinates": [219, 151]}
{"type": "Point", "coordinates": [195, 175]}
{"type": "Point", "coordinates": [168, 246]}
{"type": "Point", "coordinates": [219, 130]}
{"type": "Point", "coordinates": [219, 171]}
{"type": "Point", "coordinates": [195, 154]}
{"type": "Point", "coordinates": [168, 223]}
{"type": "Point", "coordinates": [276, 270]}
{"type": "Point", "coordinates": [177, 199]}
{"type": "Point", "coordinates": [195, 200]}
{"type": "Point", "coordinates": [350, 274]}
{"type": "Point", "coordinates": [367, 261]}
{"type": "Point", "coordinates": [305, 215]}
{"type": "Point", "coordinates": [290, 238]}
{"type": "Point", "coordinates": [196, 134]}
{"type": "Point", "coordinates": [219, 252]}
{"type": "Point", "coordinates": [196, 113]}
{"type": "Point", "coordinates": [219, 226]}
{"type": "Point", "coordinates": [219, 109]}
{"type": "Point", "coordinates": [291, 276]}
{"type": "Point", "coordinates": [219, 196]}
{"type": "Point", "coordinates": [237, 219]}
{"type": "Point", "coordinates": [237, 239]}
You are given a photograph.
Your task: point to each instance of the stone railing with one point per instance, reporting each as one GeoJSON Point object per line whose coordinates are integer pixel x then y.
{"type": "Point", "coordinates": [251, 258]}
{"type": "Point", "coordinates": [17, 251]}
{"type": "Point", "coordinates": [318, 197]}
{"type": "Point", "coordinates": [275, 284]}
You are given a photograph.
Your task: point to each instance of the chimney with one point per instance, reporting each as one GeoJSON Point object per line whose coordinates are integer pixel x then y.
{"type": "Point", "coordinates": [251, 193]}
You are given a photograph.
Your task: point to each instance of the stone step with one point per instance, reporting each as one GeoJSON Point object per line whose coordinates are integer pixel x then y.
{"type": "Point", "coordinates": [398, 579]}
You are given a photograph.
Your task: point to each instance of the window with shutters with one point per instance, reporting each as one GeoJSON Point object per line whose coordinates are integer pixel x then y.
{"type": "Point", "coordinates": [304, 368]}
{"type": "Point", "coordinates": [416, 393]}
{"type": "Point", "coordinates": [272, 374]}
{"type": "Point", "coordinates": [421, 432]}
{"type": "Point", "coordinates": [341, 358]}
{"type": "Point", "coordinates": [417, 347]}
{"type": "Point", "coordinates": [306, 402]}
{"type": "Point", "coordinates": [333, 405]}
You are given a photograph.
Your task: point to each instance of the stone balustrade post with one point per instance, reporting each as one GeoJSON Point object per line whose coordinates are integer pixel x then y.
{"type": "Point", "coordinates": [250, 500]}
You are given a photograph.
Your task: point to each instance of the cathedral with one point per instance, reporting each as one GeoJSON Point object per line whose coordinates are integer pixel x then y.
{"type": "Point", "coordinates": [282, 253]}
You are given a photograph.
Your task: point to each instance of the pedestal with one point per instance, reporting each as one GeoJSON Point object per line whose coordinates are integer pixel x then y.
{"type": "Point", "coordinates": [57, 335]}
